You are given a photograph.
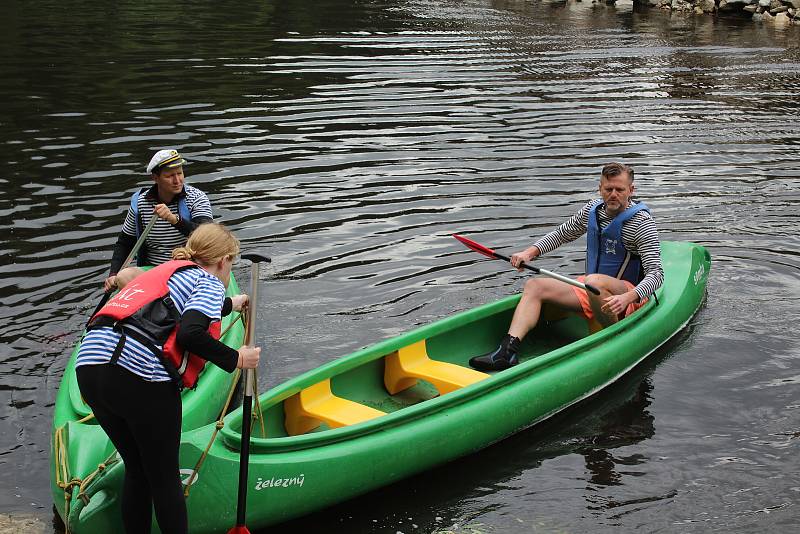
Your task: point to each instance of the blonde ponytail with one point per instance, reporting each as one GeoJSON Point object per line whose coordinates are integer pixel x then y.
{"type": "Point", "coordinates": [209, 243]}
{"type": "Point", "coordinates": [183, 253]}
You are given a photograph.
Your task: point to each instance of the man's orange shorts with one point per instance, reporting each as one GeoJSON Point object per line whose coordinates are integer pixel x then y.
{"type": "Point", "coordinates": [587, 309]}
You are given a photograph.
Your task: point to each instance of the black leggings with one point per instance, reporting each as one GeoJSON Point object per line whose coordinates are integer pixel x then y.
{"type": "Point", "coordinates": [143, 420]}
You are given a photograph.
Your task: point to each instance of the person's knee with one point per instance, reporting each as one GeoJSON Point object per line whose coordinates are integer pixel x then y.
{"type": "Point", "coordinates": [534, 288]}
{"type": "Point", "coordinates": [597, 280]}
{"type": "Point", "coordinates": [542, 289]}
{"type": "Point", "coordinates": [606, 284]}
{"type": "Point", "coordinates": [125, 276]}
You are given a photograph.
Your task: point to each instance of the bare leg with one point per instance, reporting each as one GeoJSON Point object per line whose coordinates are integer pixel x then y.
{"type": "Point", "coordinates": [608, 286]}
{"type": "Point", "coordinates": [538, 292]}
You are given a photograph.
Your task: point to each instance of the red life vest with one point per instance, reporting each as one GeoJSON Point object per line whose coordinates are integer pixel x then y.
{"type": "Point", "coordinates": [144, 310]}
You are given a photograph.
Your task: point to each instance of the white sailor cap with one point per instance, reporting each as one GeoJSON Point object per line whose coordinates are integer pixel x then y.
{"type": "Point", "coordinates": [165, 159]}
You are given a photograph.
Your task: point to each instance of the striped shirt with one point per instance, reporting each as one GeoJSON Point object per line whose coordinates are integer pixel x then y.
{"type": "Point", "coordinates": [190, 289]}
{"type": "Point", "coordinates": [639, 235]}
{"type": "Point", "coordinates": [164, 237]}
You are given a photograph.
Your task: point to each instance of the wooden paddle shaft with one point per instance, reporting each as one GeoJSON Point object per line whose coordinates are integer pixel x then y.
{"type": "Point", "coordinates": [140, 241]}
{"type": "Point", "coordinates": [249, 335]}
{"type": "Point", "coordinates": [249, 390]}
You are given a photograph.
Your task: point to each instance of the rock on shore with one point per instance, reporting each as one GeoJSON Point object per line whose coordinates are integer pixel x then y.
{"type": "Point", "coordinates": [781, 12]}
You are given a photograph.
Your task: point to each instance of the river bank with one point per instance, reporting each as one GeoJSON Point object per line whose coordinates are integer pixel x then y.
{"type": "Point", "coordinates": [779, 12]}
{"type": "Point", "coordinates": [17, 523]}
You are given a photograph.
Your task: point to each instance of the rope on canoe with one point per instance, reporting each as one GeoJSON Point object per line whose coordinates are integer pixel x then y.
{"type": "Point", "coordinates": [63, 479]}
{"type": "Point", "coordinates": [221, 420]}
{"type": "Point", "coordinates": [230, 325]}
{"type": "Point", "coordinates": [256, 413]}
{"type": "Point", "coordinates": [217, 428]}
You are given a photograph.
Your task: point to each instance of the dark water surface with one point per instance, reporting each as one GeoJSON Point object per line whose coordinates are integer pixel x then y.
{"type": "Point", "coordinates": [348, 140]}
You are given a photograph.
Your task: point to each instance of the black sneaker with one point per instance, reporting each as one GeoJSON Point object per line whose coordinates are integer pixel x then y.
{"type": "Point", "coordinates": [503, 357]}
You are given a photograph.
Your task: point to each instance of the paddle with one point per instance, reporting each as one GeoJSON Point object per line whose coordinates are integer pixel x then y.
{"type": "Point", "coordinates": [247, 402]}
{"type": "Point", "coordinates": [477, 247]}
{"type": "Point", "coordinates": [134, 250]}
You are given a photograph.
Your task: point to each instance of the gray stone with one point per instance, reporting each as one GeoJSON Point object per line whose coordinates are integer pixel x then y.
{"type": "Point", "coordinates": [731, 5]}
{"type": "Point", "coordinates": [775, 4]}
{"type": "Point", "coordinates": [781, 18]}
{"type": "Point", "coordinates": [707, 6]}
{"type": "Point", "coordinates": [776, 10]}
{"type": "Point", "coordinates": [794, 3]}
{"type": "Point", "coordinates": [750, 9]}
{"type": "Point", "coordinates": [758, 17]}
{"type": "Point", "coordinates": [764, 3]}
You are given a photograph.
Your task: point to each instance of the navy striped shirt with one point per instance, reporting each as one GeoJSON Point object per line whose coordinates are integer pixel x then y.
{"type": "Point", "coordinates": [190, 289]}
{"type": "Point", "coordinates": [164, 237]}
{"type": "Point", "coordinates": [639, 235]}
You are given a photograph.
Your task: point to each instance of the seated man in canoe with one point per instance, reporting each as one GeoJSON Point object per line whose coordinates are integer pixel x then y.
{"type": "Point", "coordinates": [623, 260]}
{"type": "Point", "coordinates": [179, 207]}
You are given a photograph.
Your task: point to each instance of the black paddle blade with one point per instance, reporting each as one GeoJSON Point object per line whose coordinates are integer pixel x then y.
{"type": "Point", "coordinates": [477, 247]}
{"type": "Point", "coordinates": [256, 258]}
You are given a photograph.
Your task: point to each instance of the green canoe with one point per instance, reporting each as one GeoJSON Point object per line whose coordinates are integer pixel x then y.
{"type": "Point", "coordinates": [81, 452]}
{"type": "Point", "coordinates": [336, 431]}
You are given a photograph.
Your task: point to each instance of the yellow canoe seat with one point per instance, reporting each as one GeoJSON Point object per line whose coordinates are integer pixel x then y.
{"type": "Point", "coordinates": [317, 404]}
{"type": "Point", "coordinates": [405, 366]}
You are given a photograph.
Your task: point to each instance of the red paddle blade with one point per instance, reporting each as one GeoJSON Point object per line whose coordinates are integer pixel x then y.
{"type": "Point", "coordinates": [477, 247]}
{"type": "Point", "coordinates": [239, 530]}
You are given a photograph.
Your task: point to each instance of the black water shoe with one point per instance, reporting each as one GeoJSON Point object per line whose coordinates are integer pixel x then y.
{"type": "Point", "coordinates": [503, 357]}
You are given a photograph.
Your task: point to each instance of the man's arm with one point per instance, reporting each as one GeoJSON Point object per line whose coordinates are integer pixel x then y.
{"type": "Point", "coordinates": [648, 247]}
{"type": "Point", "coordinates": [187, 227]}
{"type": "Point", "coordinates": [200, 208]}
{"type": "Point", "coordinates": [569, 231]}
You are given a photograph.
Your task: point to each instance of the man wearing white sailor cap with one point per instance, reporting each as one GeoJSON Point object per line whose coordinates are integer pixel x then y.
{"type": "Point", "coordinates": [179, 207]}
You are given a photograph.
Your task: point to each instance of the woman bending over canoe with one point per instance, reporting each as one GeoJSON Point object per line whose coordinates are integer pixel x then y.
{"type": "Point", "coordinates": [178, 207]}
{"type": "Point", "coordinates": [623, 260]}
{"type": "Point", "coordinates": [127, 368]}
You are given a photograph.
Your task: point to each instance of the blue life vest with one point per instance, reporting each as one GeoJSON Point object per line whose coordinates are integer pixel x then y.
{"type": "Point", "coordinates": [183, 209]}
{"type": "Point", "coordinates": [605, 252]}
